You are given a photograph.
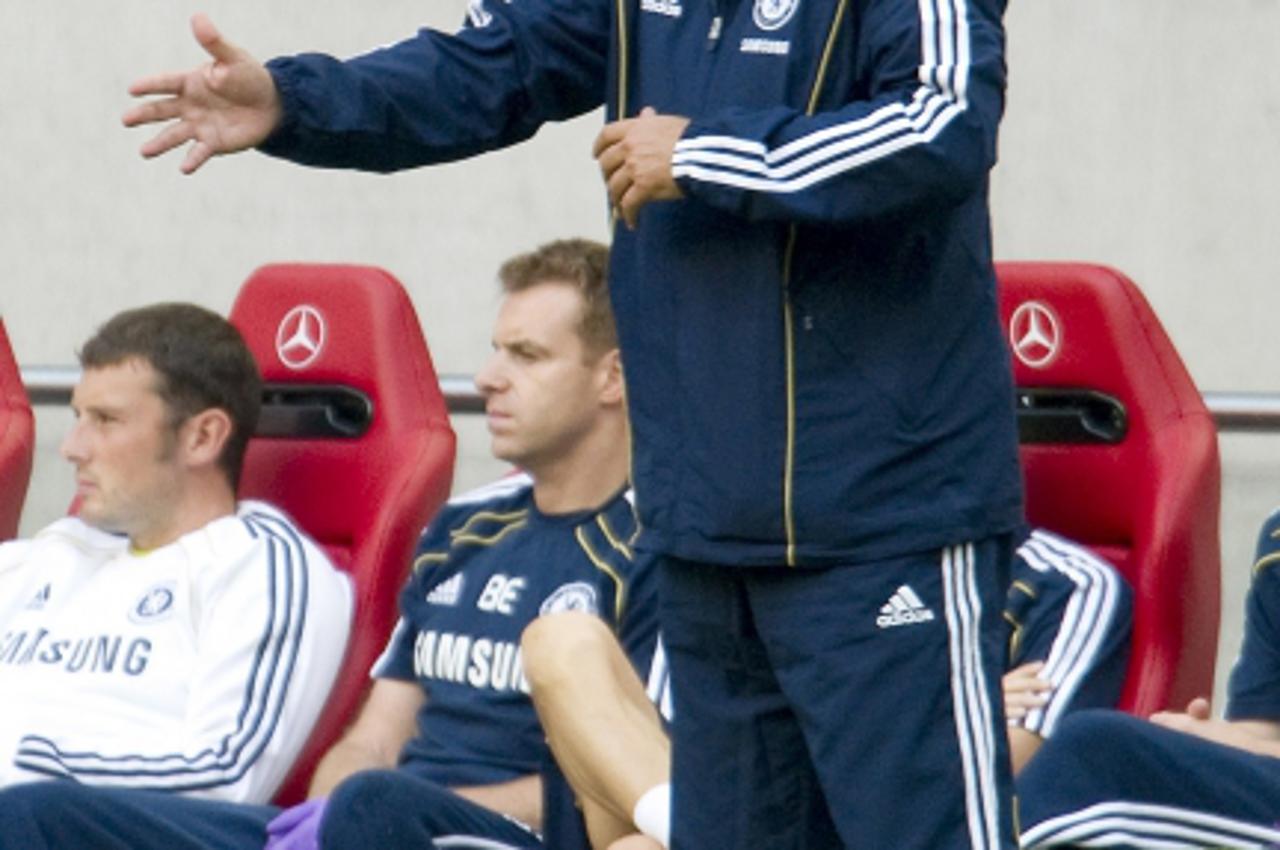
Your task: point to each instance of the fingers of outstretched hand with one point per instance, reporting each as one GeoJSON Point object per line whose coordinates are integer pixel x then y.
{"type": "Point", "coordinates": [153, 111]}
{"type": "Point", "coordinates": [170, 83]}
{"type": "Point", "coordinates": [167, 139]}
{"type": "Point", "coordinates": [211, 40]}
{"type": "Point", "coordinates": [197, 155]}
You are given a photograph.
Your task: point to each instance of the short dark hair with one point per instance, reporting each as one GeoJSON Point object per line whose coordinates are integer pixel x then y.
{"type": "Point", "coordinates": [201, 360]}
{"type": "Point", "coordinates": [581, 263]}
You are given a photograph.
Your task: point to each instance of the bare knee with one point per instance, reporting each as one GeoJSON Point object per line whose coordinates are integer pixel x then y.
{"type": "Point", "coordinates": [556, 647]}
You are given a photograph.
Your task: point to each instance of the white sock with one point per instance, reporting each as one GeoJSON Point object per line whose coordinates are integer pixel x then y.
{"type": "Point", "coordinates": [652, 814]}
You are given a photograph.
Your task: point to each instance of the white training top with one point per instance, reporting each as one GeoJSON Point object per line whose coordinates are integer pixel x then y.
{"type": "Point", "coordinates": [198, 667]}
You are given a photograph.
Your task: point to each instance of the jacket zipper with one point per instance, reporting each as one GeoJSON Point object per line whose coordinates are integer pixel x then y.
{"type": "Point", "coordinates": [623, 47]}
{"type": "Point", "coordinates": [788, 518]}
{"type": "Point", "coordinates": [788, 331]}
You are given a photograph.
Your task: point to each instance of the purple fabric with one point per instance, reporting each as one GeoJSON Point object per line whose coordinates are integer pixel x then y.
{"type": "Point", "coordinates": [297, 828]}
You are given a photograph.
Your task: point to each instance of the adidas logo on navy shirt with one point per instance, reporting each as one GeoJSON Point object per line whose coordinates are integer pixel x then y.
{"type": "Point", "coordinates": [446, 592]}
{"type": "Point", "coordinates": [904, 608]}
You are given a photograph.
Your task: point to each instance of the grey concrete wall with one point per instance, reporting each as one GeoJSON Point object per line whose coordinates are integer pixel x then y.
{"type": "Point", "coordinates": [1139, 134]}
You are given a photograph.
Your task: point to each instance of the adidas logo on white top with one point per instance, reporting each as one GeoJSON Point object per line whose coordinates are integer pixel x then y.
{"type": "Point", "coordinates": [38, 601]}
{"type": "Point", "coordinates": [904, 608]}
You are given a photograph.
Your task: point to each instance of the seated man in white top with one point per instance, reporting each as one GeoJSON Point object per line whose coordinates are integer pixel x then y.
{"type": "Point", "coordinates": [165, 637]}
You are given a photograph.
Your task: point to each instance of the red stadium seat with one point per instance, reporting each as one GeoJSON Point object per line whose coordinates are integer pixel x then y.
{"type": "Point", "coordinates": [17, 440]}
{"type": "Point", "coordinates": [1120, 453]}
{"type": "Point", "coordinates": [354, 443]}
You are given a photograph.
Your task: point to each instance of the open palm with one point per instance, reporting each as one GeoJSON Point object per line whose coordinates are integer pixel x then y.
{"type": "Point", "coordinates": [222, 106]}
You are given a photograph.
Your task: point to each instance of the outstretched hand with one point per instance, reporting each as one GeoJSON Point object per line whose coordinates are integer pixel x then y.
{"type": "Point", "coordinates": [222, 106]}
{"type": "Point", "coordinates": [634, 155]}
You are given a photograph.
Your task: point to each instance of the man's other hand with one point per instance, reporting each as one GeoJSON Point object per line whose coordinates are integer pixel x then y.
{"type": "Point", "coordinates": [634, 155]}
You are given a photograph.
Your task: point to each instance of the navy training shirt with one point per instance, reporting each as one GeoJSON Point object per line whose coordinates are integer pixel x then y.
{"type": "Point", "coordinates": [485, 568]}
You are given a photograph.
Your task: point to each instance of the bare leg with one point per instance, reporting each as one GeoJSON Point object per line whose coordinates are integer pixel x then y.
{"type": "Point", "coordinates": [602, 728]}
{"type": "Point", "coordinates": [604, 828]}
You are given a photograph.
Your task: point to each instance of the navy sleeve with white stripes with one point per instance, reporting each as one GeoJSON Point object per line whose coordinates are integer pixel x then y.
{"type": "Point", "coordinates": [1074, 612]}
{"type": "Point", "coordinates": [922, 133]}
{"type": "Point", "coordinates": [437, 97]}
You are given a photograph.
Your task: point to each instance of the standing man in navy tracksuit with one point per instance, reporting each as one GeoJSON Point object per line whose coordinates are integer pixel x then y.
{"type": "Point", "coordinates": [824, 443]}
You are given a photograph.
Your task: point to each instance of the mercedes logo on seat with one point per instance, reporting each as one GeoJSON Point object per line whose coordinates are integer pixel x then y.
{"type": "Point", "coordinates": [1035, 334]}
{"type": "Point", "coordinates": [300, 336]}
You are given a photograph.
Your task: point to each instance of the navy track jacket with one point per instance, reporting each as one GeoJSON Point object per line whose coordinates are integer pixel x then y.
{"type": "Point", "coordinates": [816, 372]}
